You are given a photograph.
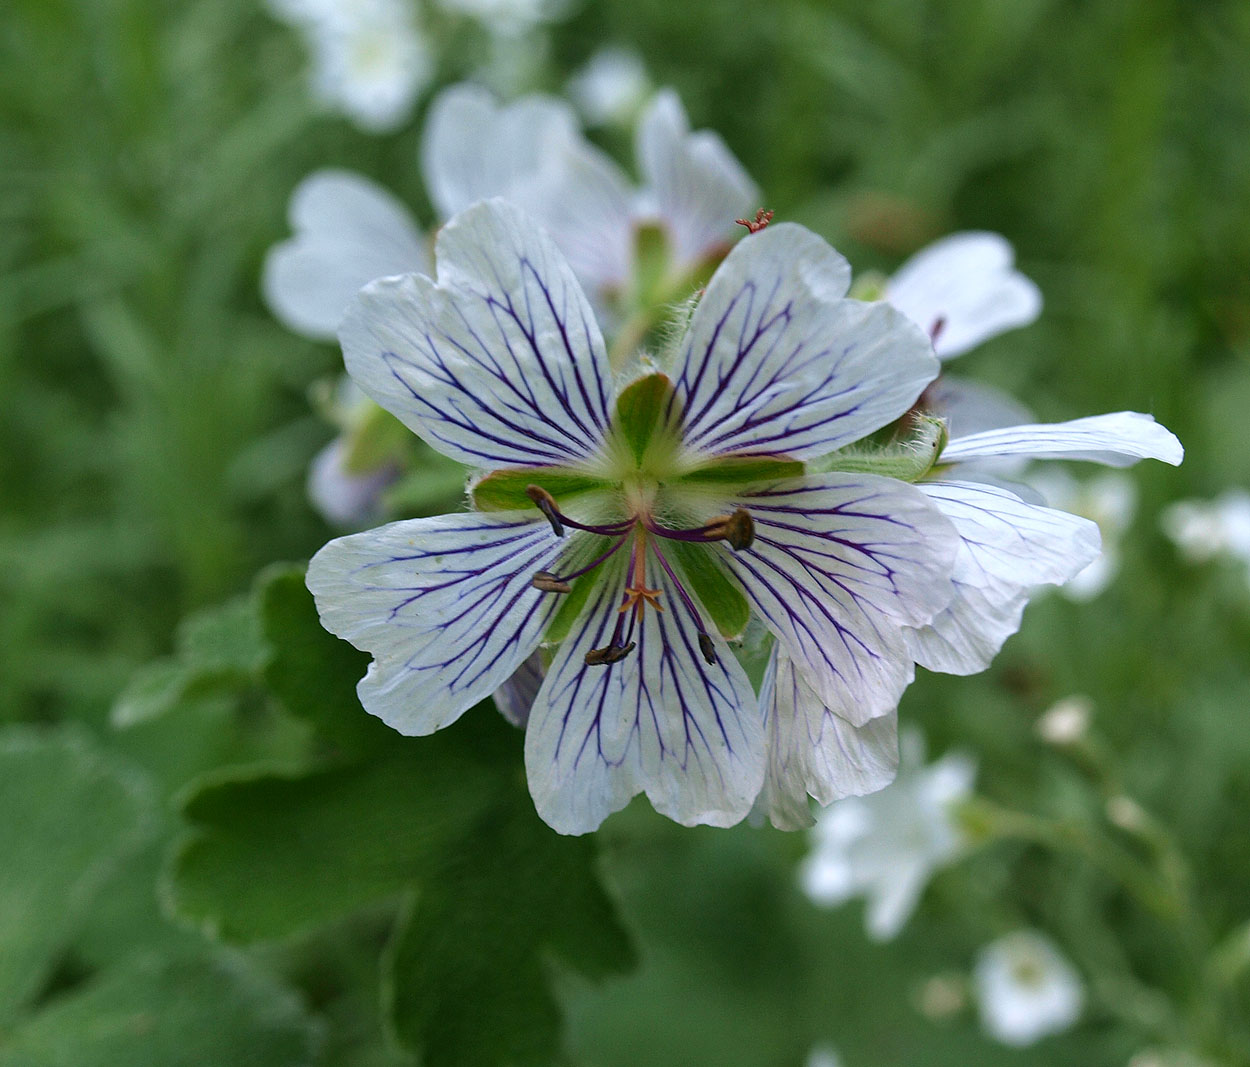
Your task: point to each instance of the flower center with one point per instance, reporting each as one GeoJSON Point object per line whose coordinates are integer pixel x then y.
{"type": "Point", "coordinates": [644, 534]}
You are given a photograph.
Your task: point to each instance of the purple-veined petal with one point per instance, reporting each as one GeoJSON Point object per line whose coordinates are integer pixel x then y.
{"type": "Point", "coordinates": [777, 361]}
{"type": "Point", "coordinates": [500, 364]}
{"type": "Point", "coordinates": [699, 188]}
{"type": "Point", "coordinates": [1007, 547]}
{"type": "Point", "coordinates": [813, 750]}
{"type": "Point", "coordinates": [1119, 439]}
{"type": "Point", "coordinates": [348, 231]}
{"type": "Point", "coordinates": [968, 283]}
{"type": "Point", "coordinates": [516, 696]}
{"type": "Point", "coordinates": [839, 566]}
{"type": "Point", "coordinates": [474, 148]}
{"type": "Point", "coordinates": [445, 605]}
{"type": "Point", "coordinates": [661, 721]}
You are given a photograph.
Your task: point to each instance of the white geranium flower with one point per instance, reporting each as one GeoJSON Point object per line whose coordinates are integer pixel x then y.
{"type": "Point", "coordinates": [630, 530]}
{"type": "Point", "coordinates": [369, 60]}
{"type": "Point", "coordinates": [885, 847]}
{"type": "Point", "coordinates": [964, 289]}
{"type": "Point", "coordinates": [1108, 499]}
{"type": "Point", "coordinates": [1025, 988]}
{"type": "Point", "coordinates": [611, 87]}
{"type": "Point", "coordinates": [1206, 529]}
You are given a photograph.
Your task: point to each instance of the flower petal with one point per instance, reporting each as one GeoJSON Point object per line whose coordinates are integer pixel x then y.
{"type": "Point", "coordinates": [348, 231]}
{"type": "Point", "coordinates": [473, 148]}
{"type": "Point", "coordinates": [698, 186]}
{"type": "Point", "coordinates": [839, 565]}
{"type": "Point", "coordinates": [777, 362]}
{"type": "Point", "coordinates": [584, 201]}
{"type": "Point", "coordinates": [966, 282]}
{"type": "Point", "coordinates": [516, 696]}
{"type": "Point", "coordinates": [1119, 439]}
{"type": "Point", "coordinates": [661, 721]}
{"type": "Point", "coordinates": [501, 363]}
{"type": "Point", "coordinates": [1007, 546]}
{"type": "Point", "coordinates": [444, 604]}
{"type": "Point", "coordinates": [814, 750]}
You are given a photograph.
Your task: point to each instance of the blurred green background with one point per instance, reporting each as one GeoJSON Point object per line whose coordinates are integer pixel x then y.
{"type": "Point", "coordinates": [155, 430]}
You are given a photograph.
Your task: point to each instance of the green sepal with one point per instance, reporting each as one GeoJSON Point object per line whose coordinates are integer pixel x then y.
{"type": "Point", "coordinates": [376, 440]}
{"type": "Point", "coordinates": [647, 414]}
{"type": "Point", "coordinates": [713, 588]}
{"type": "Point", "coordinates": [908, 459]}
{"type": "Point", "coordinates": [504, 490]}
{"type": "Point", "coordinates": [571, 604]}
{"type": "Point", "coordinates": [743, 471]}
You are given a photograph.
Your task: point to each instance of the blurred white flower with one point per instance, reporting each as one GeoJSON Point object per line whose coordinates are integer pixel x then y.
{"type": "Point", "coordinates": [611, 87]}
{"type": "Point", "coordinates": [348, 231]}
{"type": "Point", "coordinates": [823, 1056]}
{"type": "Point", "coordinates": [1205, 529]}
{"type": "Point", "coordinates": [508, 17]}
{"type": "Point", "coordinates": [1110, 500]}
{"type": "Point", "coordinates": [343, 497]}
{"type": "Point", "coordinates": [1026, 989]}
{"type": "Point", "coordinates": [369, 59]}
{"type": "Point", "coordinates": [886, 846]}
{"type": "Point", "coordinates": [964, 289]}
{"type": "Point", "coordinates": [1066, 722]}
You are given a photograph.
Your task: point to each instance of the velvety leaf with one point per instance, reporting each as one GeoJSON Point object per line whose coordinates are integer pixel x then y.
{"type": "Point", "coordinates": [186, 1011]}
{"type": "Point", "coordinates": [469, 969]}
{"type": "Point", "coordinates": [277, 853]}
{"type": "Point", "coordinates": [72, 813]}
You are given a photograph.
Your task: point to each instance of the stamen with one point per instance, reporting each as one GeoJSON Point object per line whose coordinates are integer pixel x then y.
{"type": "Point", "coordinates": [705, 642]}
{"type": "Point", "coordinates": [550, 583]}
{"type": "Point", "coordinates": [738, 529]}
{"type": "Point", "coordinates": [708, 649]}
{"type": "Point", "coordinates": [601, 657]}
{"type": "Point", "coordinates": [546, 503]}
{"type": "Point", "coordinates": [935, 331]}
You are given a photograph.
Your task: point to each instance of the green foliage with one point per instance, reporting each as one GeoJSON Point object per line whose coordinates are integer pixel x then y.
{"type": "Point", "coordinates": [444, 820]}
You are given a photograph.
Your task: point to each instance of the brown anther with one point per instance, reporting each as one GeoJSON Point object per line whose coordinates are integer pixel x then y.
{"type": "Point", "coordinates": [935, 331]}
{"type": "Point", "coordinates": [601, 657]}
{"type": "Point", "coordinates": [546, 503]}
{"type": "Point", "coordinates": [550, 583]}
{"type": "Point", "coordinates": [707, 648]}
{"type": "Point", "coordinates": [738, 529]}
{"type": "Point", "coordinates": [762, 219]}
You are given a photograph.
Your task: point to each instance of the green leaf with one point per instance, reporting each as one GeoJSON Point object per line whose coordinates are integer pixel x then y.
{"type": "Point", "coordinates": [468, 973]}
{"type": "Point", "coordinates": [274, 854]}
{"type": "Point", "coordinates": [716, 591]}
{"type": "Point", "coordinates": [185, 1011]}
{"type": "Point", "coordinates": [311, 671]}
{"type": "Point", "coordinates": [72, 814]}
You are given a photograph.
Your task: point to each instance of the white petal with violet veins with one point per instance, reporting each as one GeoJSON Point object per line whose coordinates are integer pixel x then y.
{"type": "Point", "coordinates": [660, 721]}
{"type": "Point", "coordinates": [777, 361]}
{"type": "Point", "coordinates": [1119, 439]}
{"type": "Point", "coordinates": [445, 606]}
{"type": "Point", "coordinates": [839, 566]}
{"type": "Point", "coordinates": [814, 751]}
{"type": "Point", "coordinates": [501, 362]}
{"type": "Point", "coordinates": [1007, 546]}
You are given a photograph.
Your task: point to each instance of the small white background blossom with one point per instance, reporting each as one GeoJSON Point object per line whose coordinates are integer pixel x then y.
{"type": "Point", "coordinates": [1025, 989]}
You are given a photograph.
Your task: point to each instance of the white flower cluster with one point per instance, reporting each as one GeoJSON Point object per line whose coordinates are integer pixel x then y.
{"type": "Point", "coordinates": [639, 508]}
